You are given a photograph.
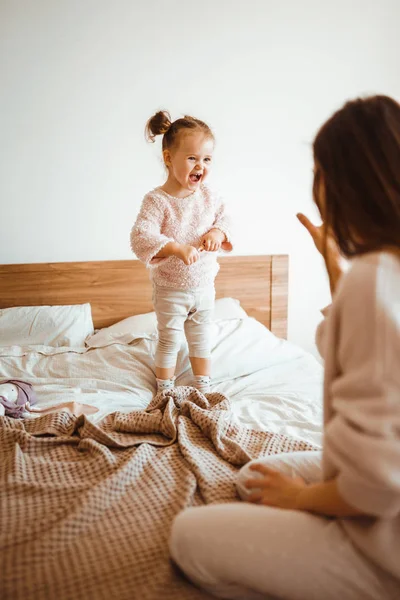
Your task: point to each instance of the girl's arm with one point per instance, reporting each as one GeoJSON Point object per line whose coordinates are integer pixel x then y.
{"type": "Point", "coordinates": [222, 223]}
{"type": "Point", "coordinates": [170, 249]}
{"type": "Point", "coordinates": [146, 238]}
{"type": "Point", "coordinates": [188, 254]}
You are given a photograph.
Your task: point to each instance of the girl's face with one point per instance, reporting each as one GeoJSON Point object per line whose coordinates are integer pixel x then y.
{"type": "Point", "coordinates": [189, 162]}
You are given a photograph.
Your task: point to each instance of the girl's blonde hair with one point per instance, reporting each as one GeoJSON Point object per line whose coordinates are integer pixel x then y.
{"type": "Point", "coordinates": [161, 124]}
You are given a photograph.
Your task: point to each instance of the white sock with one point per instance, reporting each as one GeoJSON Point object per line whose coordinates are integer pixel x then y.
{"type": "Point", "coordinates": [202, 383]}
{"type": "Point", "coordinates": [165, 384]}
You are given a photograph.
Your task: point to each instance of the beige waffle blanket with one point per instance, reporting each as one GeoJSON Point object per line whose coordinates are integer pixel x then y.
{"type": "Point", "coordinates": [86, 510]}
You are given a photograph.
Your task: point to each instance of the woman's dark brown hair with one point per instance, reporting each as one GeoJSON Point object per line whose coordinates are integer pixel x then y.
{"type": "Point", "coordinates": [357, 156]}
{"type": "Point", "coordinates": [161, 124]}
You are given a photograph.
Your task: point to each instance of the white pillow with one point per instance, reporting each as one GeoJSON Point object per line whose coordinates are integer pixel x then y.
{"type": "Point", "coordinates": [227, 309]}
{"type": "Point", "coordinates": [145, 326]}
{"type": "Point", "coordinates": [46, 325]}
{"type": "Point", "coordinates": [126, 331]}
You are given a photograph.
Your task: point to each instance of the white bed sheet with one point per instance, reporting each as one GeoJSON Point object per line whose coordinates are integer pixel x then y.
{"type": "Point", "coordinates": [272, 384]}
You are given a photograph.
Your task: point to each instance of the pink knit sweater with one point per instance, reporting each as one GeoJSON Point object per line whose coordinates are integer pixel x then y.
{"type": "Point", "coordinates": [163, 219]}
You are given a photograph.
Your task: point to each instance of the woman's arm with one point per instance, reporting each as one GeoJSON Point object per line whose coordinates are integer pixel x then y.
{"type": "Point", "coordinates": [362, 438]}
{"type": "Point", "coordinates": [327, 247]}
{"type": "Point", "coordinates": [282, 491]}
{"type": "Point", "coordinates": [324, 499]}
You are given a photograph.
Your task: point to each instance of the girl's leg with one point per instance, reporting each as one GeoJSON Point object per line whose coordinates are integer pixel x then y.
{"type": "Point", "coordinates": [250, 552]}
{"type": "Point", "coordinates": [171, 307]}
{"type": "Point", "coordinates": [201, 368]}
{"type": "Point", "coordinates": [198, 334]}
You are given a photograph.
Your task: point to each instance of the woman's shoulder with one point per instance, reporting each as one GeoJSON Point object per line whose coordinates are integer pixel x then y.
{"type": "Point", "coordinates": [364, 318]}
{"type": "Point", "coordinates": [371, 270]}
{"type": "Point", "coordinates": [372, 281]}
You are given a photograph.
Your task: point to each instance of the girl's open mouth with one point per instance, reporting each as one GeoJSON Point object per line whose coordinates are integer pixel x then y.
{"type": "Point", "coordinates": [195, 177]}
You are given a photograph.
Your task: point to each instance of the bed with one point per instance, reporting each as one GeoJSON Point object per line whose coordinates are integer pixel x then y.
{"type": "Point", "coordinates": [90, 499]}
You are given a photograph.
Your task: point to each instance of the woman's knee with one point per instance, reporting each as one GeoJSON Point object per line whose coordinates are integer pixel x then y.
{"type": "Point", "coordinates": [202, 539]}
{"type": "Point", "coordinates": [276, 461]}
{"type": "Point", "coordinates": [195, 530]}
{"type": "Point", "coordinates": [178, 538]}
{"type": "Point", "coordinates": [184, 544]}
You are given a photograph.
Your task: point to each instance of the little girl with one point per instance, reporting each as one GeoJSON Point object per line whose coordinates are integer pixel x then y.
{"type": "Point", "coordinates": [180, 228]}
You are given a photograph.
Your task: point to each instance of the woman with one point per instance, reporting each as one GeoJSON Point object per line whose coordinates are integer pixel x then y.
{"type": "Point", "coordinates": [314, 529]}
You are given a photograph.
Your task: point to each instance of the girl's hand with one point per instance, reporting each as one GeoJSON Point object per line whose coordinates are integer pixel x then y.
{"type": "Point", "coordinates": [188, 254]}
{"type": "Point", "coordinates": [274, 488]}
{"type": "Point", "coordinates": [213, 240]}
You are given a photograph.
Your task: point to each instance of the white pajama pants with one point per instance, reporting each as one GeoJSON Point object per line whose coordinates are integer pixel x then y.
{"type": "Point", "coordinates": [250, 552]}
{"type": "Point", "coordinates": [178, 311]}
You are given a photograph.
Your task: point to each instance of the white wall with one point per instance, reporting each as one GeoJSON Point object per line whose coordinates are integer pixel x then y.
{"type": "Point", "coordinates": [79, 78]}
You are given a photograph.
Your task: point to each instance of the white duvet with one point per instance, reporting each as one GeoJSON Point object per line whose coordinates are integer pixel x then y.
{"type": "Point", "coordinates": [272, 384]}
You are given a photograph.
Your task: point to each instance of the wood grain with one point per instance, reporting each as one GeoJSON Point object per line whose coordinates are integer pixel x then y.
{"type": "Point", "coordinates": [279, 295]}
{"type": "Point", "coordinates": [120, 288]}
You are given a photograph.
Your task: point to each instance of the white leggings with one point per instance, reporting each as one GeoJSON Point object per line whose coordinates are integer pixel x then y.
{"type": "Point", "coordinates": [183, 310]}
{"type": "Point", "coordinates": [244, 551]}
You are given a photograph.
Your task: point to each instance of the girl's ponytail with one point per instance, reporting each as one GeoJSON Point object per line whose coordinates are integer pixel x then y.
{"type": "Point", "coordinates": [158, 124]}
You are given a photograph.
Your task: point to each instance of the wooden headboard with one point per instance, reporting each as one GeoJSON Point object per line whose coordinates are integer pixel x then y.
{"type": "Point", "coordinates": [120, 288]}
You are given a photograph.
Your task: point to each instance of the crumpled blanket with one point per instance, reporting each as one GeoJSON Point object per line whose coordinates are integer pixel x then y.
{"type": "Point", "coordinates": [86, 510]}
